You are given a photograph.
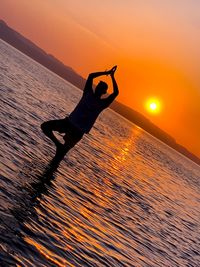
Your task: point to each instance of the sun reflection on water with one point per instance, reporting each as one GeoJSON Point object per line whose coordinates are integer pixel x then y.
{"type": "Point", "coordinates": [125, 148]}
{"type": "Point", "coordinates": [50, 256]}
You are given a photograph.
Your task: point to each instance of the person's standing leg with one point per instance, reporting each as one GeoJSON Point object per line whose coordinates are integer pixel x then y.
{"type": "Point", "coordinates": [71, 138]}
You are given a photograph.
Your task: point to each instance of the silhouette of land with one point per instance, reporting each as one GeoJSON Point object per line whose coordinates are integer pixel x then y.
{"type": "Point", "coordinates": [29, 48]}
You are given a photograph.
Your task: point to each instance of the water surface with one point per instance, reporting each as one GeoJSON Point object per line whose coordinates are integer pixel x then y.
{"type": "Point", "coordinates": [119, 198]}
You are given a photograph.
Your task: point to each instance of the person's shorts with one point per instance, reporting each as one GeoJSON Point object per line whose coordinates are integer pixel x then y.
{"type": "Point", "coordinates": [64, 126]}
{"type": "Point", "coordinates": [71, 130]}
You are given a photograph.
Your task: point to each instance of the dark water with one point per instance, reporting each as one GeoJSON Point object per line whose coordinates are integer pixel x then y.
{"type": "Point", "coordinates": [119, 198]}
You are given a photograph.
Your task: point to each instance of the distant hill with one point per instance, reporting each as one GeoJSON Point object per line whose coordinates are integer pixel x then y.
{"type": "Point", "coordinates": [29, 48]}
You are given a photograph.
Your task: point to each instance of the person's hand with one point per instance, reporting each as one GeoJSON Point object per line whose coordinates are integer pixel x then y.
{"type": "Point", "coordinates": [112, 71]}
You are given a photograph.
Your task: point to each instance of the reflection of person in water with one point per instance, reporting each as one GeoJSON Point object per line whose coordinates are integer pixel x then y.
{"type": "Point", "coordinates": [82, 118]}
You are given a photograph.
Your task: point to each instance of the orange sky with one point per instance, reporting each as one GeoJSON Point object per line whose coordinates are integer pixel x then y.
{"type": "Point", "coordinates": [154, 43]}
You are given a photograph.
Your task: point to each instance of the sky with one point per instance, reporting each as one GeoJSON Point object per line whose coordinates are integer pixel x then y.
{"type": "Point", "coordinates": [154, 43]}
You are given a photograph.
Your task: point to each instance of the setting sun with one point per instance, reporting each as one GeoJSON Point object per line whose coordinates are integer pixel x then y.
{"type": "Point", "coordinates": [153, 105]}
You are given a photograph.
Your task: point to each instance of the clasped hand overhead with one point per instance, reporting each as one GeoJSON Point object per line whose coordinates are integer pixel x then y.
{"type": "Point", "coordinates": [112, 71]}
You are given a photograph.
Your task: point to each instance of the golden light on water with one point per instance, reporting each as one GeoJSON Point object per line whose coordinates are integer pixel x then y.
{"type": "Point", "coordinates": [153, 106]}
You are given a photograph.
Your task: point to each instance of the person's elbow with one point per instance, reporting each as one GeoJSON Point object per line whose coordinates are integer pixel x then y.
{"type": "Point", "coordinates": [91, 76]}
{"type": "Point", "coordinates": [116, 93]}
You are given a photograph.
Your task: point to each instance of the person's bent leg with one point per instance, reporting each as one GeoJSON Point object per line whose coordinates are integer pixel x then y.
{"type": "Point", "coordinates": [71, 138]}
{"type": "Point", "coordinates": [53, 125]}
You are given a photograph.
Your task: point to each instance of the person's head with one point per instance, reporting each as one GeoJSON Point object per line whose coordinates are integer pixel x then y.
{"type": "Point", "coordinates": [101, 88]}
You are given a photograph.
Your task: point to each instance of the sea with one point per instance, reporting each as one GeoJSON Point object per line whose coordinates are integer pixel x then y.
{"type": "Point", "coordinates": [120, 197]}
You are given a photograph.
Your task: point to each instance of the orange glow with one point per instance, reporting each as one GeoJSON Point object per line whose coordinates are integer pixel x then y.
{"type": "Point", "coordinates": [153, 106]}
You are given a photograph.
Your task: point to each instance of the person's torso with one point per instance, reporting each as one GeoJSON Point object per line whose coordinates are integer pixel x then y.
{"type": "Point", "coordinates": [86, 112]}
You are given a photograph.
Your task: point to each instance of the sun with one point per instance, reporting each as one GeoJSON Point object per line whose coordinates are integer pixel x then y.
{"type": "Point", "coordinates": [153, 105]}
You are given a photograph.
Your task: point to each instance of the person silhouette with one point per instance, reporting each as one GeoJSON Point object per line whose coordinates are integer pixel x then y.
{"type": "Point", "coordinates": [82, 118]}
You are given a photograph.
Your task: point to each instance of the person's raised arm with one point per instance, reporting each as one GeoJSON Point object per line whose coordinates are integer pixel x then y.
{"type": "Point", "coordinates": [115, 86]}
{"type": "Point", "coordinates": [91, 76]}
{"type": "Point", "coordinates": [115, 93]}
